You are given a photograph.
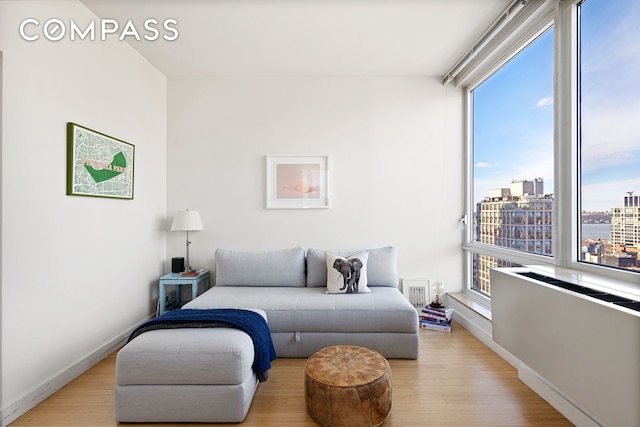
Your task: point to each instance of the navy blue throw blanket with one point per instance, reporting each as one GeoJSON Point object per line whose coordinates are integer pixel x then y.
{"type": "Point", "coordinates": [246, 320]}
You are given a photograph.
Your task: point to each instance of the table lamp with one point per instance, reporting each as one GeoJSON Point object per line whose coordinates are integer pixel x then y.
{"type": "Point", "coordinates": [437, 288]}
{"type": "Point", "coordinates": [187, 221]}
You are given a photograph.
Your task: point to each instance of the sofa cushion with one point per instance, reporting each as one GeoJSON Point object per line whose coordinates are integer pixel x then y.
{"type": "Point", "coordinates": [186, 356]}
{"type": "Point", "coordinates": [382, 310]}
{"type": "Point", "coordinates": [381, 266]}
{"type": "Point", "coordinates": [283, 267]}
{"type": "Point", "coordinates": [353, 267]}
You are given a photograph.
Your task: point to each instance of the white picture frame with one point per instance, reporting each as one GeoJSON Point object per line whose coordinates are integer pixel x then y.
{"type": "Point", "coordinates": [297, 182]}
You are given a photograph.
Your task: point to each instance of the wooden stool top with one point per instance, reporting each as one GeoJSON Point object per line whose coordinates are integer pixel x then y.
{"type": "Point", "coordinates": [346, 366]}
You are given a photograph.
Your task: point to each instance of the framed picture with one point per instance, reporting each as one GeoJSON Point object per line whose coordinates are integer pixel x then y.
{"type": "Point", "coordinates": [98, 165]}
{"type": "Point", "coordinates": [297, 182]}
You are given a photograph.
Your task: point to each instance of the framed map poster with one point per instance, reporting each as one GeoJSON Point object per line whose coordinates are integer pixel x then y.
{"type": "Point", "coordinates": [98, 165]}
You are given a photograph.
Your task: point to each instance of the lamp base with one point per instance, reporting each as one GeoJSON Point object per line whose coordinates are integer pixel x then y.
{"type": "Point", "coordinates": [436, 305]}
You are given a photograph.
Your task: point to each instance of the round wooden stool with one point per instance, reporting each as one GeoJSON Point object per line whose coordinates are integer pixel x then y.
{"type": "Point", "coordinates": [348, 386]}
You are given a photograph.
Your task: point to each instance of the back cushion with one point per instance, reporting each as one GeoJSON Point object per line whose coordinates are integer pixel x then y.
{"type": "Point", "coordinates": [382, 269]}
{"type": "Point", "coordinates": [283, 267]}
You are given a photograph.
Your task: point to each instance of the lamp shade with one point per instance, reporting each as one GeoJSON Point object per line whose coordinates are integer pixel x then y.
{"type": "Point", "coordinates": [437, 287]}
{"type": "Point", "coordinates": [187, 221]}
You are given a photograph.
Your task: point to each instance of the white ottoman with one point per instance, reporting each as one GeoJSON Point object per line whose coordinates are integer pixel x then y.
{"type": "Point", "coordinates": [185, 375]}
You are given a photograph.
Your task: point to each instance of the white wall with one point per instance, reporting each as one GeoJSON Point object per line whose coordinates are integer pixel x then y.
{"type": "Point", "coordinates": [78, 272]}
{"type": "Point", "coordinates": [396, 165]}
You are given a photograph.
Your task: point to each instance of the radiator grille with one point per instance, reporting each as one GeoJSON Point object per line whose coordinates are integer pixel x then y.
{"type": "Point", "coordinates": [416, 291]}
{"type": "Point", "coordinates": [602, 296]}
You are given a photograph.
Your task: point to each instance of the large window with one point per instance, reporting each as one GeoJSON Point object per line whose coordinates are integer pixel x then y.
{"type": "Point", "coordinates": [553, 142]}
{"type": "Point", "coordinates": [512, 133]}
{"type": "Point", "coordinates": [610, 133]}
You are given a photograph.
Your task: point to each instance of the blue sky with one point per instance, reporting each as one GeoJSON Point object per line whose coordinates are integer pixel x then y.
{"type": "Point", "coordinates": [513, 127]}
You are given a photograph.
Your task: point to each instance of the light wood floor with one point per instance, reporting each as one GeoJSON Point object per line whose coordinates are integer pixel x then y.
{"type": "Point", "coordinates": [457, 381]}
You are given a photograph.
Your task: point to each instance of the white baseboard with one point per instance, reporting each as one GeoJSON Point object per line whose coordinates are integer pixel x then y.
{"type": "Point", "coordinates": [21, 406]}
{"type": "Point", "coordinates": [480, 327]}
{"type": "Point", "coordinates": [563, 404]}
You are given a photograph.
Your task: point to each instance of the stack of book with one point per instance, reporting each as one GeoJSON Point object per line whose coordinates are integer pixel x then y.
{"type": "Point", "coordinates": [437, 319]}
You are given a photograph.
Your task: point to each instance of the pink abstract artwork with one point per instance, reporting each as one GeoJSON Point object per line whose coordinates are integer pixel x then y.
{"type": "Point", "coordinates": [298, 181]}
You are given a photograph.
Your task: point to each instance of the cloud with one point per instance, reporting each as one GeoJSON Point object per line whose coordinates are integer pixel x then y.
{"type": "Point", "coordinates": [605, 195]}
{"type": "Point", "coordinates": [543, 102]}
{"type": "Point", "coordinates": [610, 105]}
{"type": "Point", "coordinates": [483, 165]}
{"type": "Point", "coordinates": [609, 135]}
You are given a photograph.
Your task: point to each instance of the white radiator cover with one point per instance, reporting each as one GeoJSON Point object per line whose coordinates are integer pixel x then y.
{"type": "Point", "coordinates": [417, 292]}
{"type": "Point", "coordinates": [587, 349]}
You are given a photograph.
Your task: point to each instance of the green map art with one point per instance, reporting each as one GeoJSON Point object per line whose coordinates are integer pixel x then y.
{"type": "Point", "coordinates": [117, 166]}
{"type": "Point", "coordinates": [98, 165]}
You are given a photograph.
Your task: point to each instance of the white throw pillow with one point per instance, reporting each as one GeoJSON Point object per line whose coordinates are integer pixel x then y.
{"type": "Point", "coordinates": [347, 275]}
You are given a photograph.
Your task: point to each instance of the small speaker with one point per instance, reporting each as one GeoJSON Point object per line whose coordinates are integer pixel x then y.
{"type": "Point", "coordinates": [177, 265]}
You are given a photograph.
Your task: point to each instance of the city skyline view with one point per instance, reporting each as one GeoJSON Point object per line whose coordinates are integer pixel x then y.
{"type": "Point", "coordinates": [514, 149]}
{"type": "Point", "coordinates": [610, 59]}
{"type": "Point", "coordinates": [514, 124]}
{"type": "Point", "coordinates": [513, 121]}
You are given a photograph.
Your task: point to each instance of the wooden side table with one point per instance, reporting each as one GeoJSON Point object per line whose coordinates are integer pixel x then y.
{"type": "Point", "coordinates": [177, 280]}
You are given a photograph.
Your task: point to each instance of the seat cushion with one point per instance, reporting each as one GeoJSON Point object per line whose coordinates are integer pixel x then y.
{"type": "Point", "coordinates": [385, 309]}
{"type": "Point", "coordinates": [186, 356]}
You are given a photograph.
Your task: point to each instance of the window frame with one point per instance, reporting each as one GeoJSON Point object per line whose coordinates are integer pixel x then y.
{"type": "Point", "coordinates": [563, 16]}
{"type": "Point", "coordinates": [569, 52]}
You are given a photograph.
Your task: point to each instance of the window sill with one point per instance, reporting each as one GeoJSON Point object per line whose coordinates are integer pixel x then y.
{"type": "Point", "coordinates": [482, 310]}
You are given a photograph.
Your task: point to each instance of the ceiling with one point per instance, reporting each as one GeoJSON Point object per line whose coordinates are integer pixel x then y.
{"type": "Point", "coordinates": [306, 37]}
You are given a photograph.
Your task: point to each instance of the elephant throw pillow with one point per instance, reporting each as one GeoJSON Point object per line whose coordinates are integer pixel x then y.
{"type": "Point", "coordinates": [347, 275]}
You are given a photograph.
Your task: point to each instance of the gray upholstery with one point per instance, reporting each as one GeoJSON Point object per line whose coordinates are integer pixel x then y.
{"type": "Point", "coordinates": [205, 375]}
{"type": "Point", "coordinates": [186, 356]}
{"type": "Point", "coordinates": [311, 310]}
{"type": "Point", "coordinates": [381, 266]}
{"type": "Point", "coordinates": [284, 267]}
{"type": "Point", "coordinates": [303, 320]}
{"type": "Point", "coordinates": [185, 375]}
{"type": "Point", "coordinates": [175, 403]}
{"type": "Point", "coordinates": [390, 345]}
